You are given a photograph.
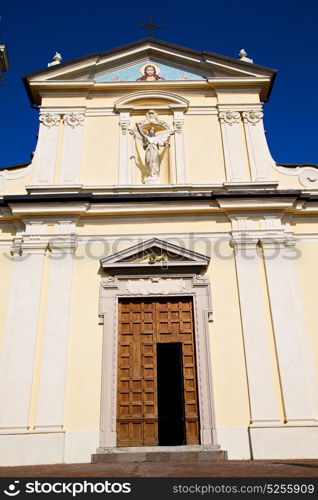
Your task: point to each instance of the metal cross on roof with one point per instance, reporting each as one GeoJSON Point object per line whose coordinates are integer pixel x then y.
{"type": "Point", "coordinates": [150, 26]}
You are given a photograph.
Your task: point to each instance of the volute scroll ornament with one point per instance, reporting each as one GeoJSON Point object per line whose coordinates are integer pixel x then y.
{"type": "Point", "coordinates": [49, 119]}
{"type": "Point", "coordinates": [229, 117]}
{"type": "Point", "coordinates": [73, 119]}
{"type": "Point", "coordinates": [253, 116]}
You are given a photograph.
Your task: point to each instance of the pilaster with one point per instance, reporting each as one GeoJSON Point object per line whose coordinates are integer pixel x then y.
{"type": "Point", "coordinates": [71, 148]}
{"type": "Point", "coordinates": [124, 121]}
{"type": "Point", "coordinates": [20, 332]}
{"type": "Point", "coordinates": [261, 384]}
{"type": "Point", "coordinates": [53, 365]}
{"type": "Point", "coordinates": [233, 145]}
{"type": "Point", "coordinates": [46, 150]}
{"type": "Point", "coordinates": [178, 121]}
{"type": "Point", "coordinates": [259, 157]}
{"type": "Point", "coordinates": [299, 385]}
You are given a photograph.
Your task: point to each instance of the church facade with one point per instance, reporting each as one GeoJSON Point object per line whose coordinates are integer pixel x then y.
{"type": "Point", "coordinates": [158, 267]}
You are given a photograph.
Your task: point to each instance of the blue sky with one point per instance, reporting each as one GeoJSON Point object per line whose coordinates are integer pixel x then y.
{"type": "Point", "coordinates": [279, 34]}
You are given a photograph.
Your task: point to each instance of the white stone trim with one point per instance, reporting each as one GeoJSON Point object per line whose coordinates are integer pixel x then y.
{"type": "Point", "coordinates": [170, 285]}
{"type": "Point", "coordinates": [50, 447]}
{"type": "Point", "coordinates": [32, 448]}
{"type": "Point", "coordinates": [233, 146]}
{"type": "Point", "coordinates": [8, 175]}
{"type": "Point", "coordinates": [235, 440]}
{"type": "Point", "coordinates": [123, 171]}
{"type": "Point", "coordinates": [202, 110]}
{"type": "Point", "coordinates": [171, 99]}
{"type": "Point", "coordinates": [291, 335]}
{"type": "Point", "coordinates": [284, 442]}
{"type": "Point", "coordinates": [71, 148]}
{"type": "Point", "coordinates": [20, 333]}
{"type": "Point", "coordinates": [50, 410]}
{"type": "Point", "coordinates": [260, 158]}
{"type": "Point", "coordinates": [46, 149]}
{"type": "Point", "coordinates": [178, 122]}
{"type": "Point", "coordinates": [262, 397]}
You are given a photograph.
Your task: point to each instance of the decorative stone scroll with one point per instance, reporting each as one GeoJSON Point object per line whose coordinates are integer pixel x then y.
{"type": "Point", "coordinates": [253, 116]}
{"type": "Point", "coordinates": [49, 119]}
{"type": "Point", "coordinates": [229, 117]}
{"type": "Point", "coordinates": [73, 119]}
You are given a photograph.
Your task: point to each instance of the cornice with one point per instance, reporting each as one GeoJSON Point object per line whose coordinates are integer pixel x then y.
{"type": "Point", "coordinates": [37, 86]}
{"type": "Point", "coordinates": [163, 202]}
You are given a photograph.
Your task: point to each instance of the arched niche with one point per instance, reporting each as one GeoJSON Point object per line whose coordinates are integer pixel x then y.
{"type": "Point", "coordinates": [139, 103]}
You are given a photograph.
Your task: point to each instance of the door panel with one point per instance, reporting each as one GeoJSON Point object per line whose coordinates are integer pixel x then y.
{"type": "Point", "coordinates": [143, 323]}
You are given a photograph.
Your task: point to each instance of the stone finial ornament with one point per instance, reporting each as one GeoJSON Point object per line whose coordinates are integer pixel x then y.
{"type": "Point", "coordinates": [57, 58]}
{"type": "Point", "coordinates": [243, 56]}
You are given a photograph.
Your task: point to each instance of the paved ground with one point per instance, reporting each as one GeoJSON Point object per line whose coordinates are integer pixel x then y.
{"type": "Point", "coordinates": [229, 468]}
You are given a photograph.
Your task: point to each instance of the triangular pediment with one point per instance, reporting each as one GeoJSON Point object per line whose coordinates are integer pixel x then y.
{"type": "Point", "coordinates": [154, 254]}
{"type": "Point", "coordinates": [126, 62]}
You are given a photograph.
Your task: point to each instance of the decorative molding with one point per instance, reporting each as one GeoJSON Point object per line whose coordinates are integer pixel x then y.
{"type": "Point", "coordinates": [165, 283]}
{"type": "Point", "coordinates": [252, 116]}
{"type": "Point", "coordinates": [168, 285]}
{"type": "Point", "coordinates": [171, 99]}
{"type": "Point", "coordinates": [7, 175]}
{"type": "Point", "coordinates": [307, 176]}
{"type": "Point", "coordinates": [233, 146]}
{"type": "Point", "coordinates": [151, 118]}
{"type": "Point", "coordinates": [137, 257]}
{"type": "Point", "coordinates": [124, 124]}
{"type": "Point", "coordinates": [178, 124]}
{"type": "Point", "coordinates": [230, 117]}
{"type": "Point", "coordinates": [49, 119]}
{"type": "Point", "coordinates": [73, 119]}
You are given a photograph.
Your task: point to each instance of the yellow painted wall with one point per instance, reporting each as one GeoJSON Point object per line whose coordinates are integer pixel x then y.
{"type": "Point", "coordinates": [85, 344]}
{"type": "Point", "coordinates": [100, 150]}
{"type": "Point", "coordinates": [83, 382]}
{"type": "Point", "coordinates": [203, 150]}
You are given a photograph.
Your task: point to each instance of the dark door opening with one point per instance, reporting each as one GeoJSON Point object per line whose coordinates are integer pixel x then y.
{"type": "Point", "coordinates": [171, 428]}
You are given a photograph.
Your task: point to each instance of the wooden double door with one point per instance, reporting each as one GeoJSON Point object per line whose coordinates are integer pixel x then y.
{"type": "Point", "coordinates": [157, 400]}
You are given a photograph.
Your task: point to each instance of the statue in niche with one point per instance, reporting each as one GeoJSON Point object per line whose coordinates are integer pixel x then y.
{"type": "Point", "coordinates": [152, 140]}
{"type": "Point", "coordinates": [150, 73]}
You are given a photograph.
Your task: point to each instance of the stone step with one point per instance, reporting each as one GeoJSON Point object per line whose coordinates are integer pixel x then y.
{"type": "Point", "coordinates": [159, 454]}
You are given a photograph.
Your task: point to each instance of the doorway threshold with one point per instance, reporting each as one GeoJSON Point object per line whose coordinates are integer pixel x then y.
{"type": "Point", "coordinates": [183, 453]}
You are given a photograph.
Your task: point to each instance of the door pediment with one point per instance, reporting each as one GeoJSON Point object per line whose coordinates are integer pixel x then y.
{"type": "Point", "coordinates": [154, 254]}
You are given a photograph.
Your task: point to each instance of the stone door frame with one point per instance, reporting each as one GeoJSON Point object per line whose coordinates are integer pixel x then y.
{"type": "Point", "coordinates": [158, 285]}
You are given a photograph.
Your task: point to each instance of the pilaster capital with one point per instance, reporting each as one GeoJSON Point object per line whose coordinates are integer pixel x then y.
{"type": "Point", "coordinates": [16, 248]}
{"type": "Point", "coordinates": [252, 116]}
{"type": "Point", "coordinates": [73, 119]}
{"type": "Point", "coordinates": [124, 124]}
{"type": "Point", "coordinates": [178, 125]}
{"type": "Point", "coordinates": [243, 239]}
{"type": "Point", "coordinates": [229, 117]}
{"type": "Point", "coordinates": [49, 119]}
{"type": "Point", "coordinates": [62, 244]}
{"type": "Point", "coordinates": [281, 240]}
